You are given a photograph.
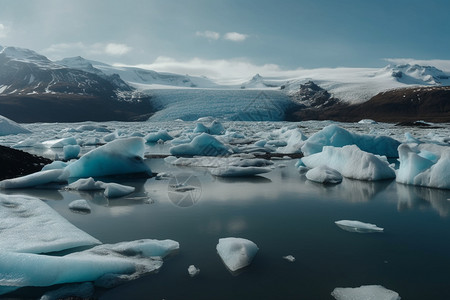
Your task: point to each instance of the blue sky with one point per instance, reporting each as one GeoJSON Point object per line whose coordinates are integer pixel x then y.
{"type": "Point", "coordinates": [281, 34]}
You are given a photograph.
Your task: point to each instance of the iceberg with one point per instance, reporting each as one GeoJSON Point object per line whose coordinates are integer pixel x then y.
{"type": "Point", "coordinates": [215, 128]}
{"type": "Point", "coordinates": [86, 184]}
{"type": "Point", "coordinates": [8, 127]}
{"type": "Point", "coordinates": [115, 190]}
{"type": "Point", "coordinates": [202, 145]}
{"type": "Point", "coordinates": [333, 135]}
{"type": "Point", "coordinates": [121, 156]}
{"type": "Point", "coordinates": [357, 226]}
{"type": "Point", "coordinates": [71, 151]}
{"type": "Point", "coordinates": [80, 205]}
{"type": "Point", "coordinates": [35, 179]}
{"type": "Point", "coordinates": [60, 143]}
{"type": "Point", "coordinates": [295, 139]}
{"type": "Point", "coordinates": [44, 230]}
{"type": "Point", "coordinates": [424, 168]}
{"type": "Point", "coordinates": [366, 292]}
{"type": "Point", "coordinates": [154, 137]}
{"type": "Point", "coordinates": [324, 174]}
{"type": "Point", "coordinates": [236, 253]}
{"type": "Point", "coordinates": [235, 171]}
{"type": "Point", "coordinates": [351, 162]}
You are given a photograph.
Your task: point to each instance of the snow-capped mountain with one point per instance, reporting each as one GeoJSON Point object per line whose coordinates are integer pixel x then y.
{"type": "Point", "coordinates": [259, 82]}
{"type": "Point", "coordinates": [140, 78]}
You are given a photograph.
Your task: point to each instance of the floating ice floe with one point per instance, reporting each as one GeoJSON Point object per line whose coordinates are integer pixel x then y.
{"type": "Point", "coordinates": [289, 258]}
{"type": "Point", "coordinates": [80, 205]}
{"type": "Point", "coordinates": [357, 226]}
{"type": "Point", "coordinates": [71, 151]}
{"type": "Point", "coordinates": [204, 145]}
{"type": "Point", "coordinates": [351, 162]}
{"type": "Point", "coordinates": [366, 292]}
{"type": "Point", "coordinates": [193, 271]}
{"type": "Point", "coordinates": [60, 143]}
{"type": "Point", "coordinates": [295, 139]}
{"type": "Point", "coordinates": [106, 265]}
{"type": "Point", "coordinates": [333, 135]}
{"type": "Point", "coordinates": [83, 290]}
{"type": "Point", "coordinates": [233, 171]}
{"type": "Point", "coordinates": [29, 225]}
{"type": "Point", "coordinates": [86, 184]}
{"type": "Point", "coordinates": [115, 190]}
{"type": "Point", "coordinates": [8, 127]}
{"type": "Point", "coordinates": [424, 168]}
{"type": "Point", "coordinates": [236, 253]}
{"type": "Point", "coordinates": [121, 156]}
{"type": "Point", "coordinates": [35, 179]}
{"type": "Point", "coordinates": [324, 174]}
{"type": "Point", "coordinates": [215, 128]}
{"type": "Point", "coordinates": [161, 135]}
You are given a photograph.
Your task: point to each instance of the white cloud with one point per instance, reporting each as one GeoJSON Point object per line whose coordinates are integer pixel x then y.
{"type": "Point", "coordinates": [444, 65]}
{"type": "Point", "coordinates": [210, 35]}
{"type": "Point", "coordinates": [235, 36]}
{"type": "Point", "coordinates": [3, 31]}
{"type": "Point", "coordinates": [66, 49]}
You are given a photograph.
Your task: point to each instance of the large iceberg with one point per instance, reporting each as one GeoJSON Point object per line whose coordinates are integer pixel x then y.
{"type": "Point", "coordinates": [333, 135]}
{"type": "Point", "coordinates": [8, 126]}
{"type": "Point", "coordinates": [351, 162]}
{"type": "Point", "coordinates": [29, 225]}
{"type": "Point", "coordinates": [203, 144]}
{"type": "Point", "coordinates": [236, 253]}
{"type": "Point", "coordinates": [423, 167]}
{"type": "Point", "coordinates": [367, 292]}
{"type": "Point", "coordinates": [122, 156]}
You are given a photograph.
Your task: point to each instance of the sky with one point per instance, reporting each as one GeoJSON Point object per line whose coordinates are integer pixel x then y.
{"type": "Point", "coordinates": [218, 37]}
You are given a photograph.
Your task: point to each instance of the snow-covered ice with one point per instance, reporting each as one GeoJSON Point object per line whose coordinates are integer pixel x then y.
{"type": "Point", "coordinates": [121, 156]}
{"type": "Point", "coordinates": [80, 205]}
{"type": "Point", "coordinates": [8, 126]}
{"type": "Point", "coordinates": [333, 135]}
{"type": "Point", "coordinates": [324, 174]}
{"type": "Point", "coordinates": [357, 226]}
{"type": "Point", "coordinates": [115, 190]}
{"type": "Point", "coordinates": [43, 231]}
{"type": "Point", "coordinates": [365, 292]}
{"type": "Point", "coordinates": [193, 271]}
{"type": "Point", "coordinates": [236, 253]}
{"type": "Point", "coordinates": [203, 144]}
{"type": "Point", "coordinates": [351, 162]}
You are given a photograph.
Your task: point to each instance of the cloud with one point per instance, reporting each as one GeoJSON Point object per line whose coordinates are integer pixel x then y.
{"type": "Point", "coordinates": [442, 64]}
{"type": "Point", "coordinates": [235, 36]}
{"type": "Point", "coordinates": [79, 48]}
{"type": "Point", "coordinates": [224, 71]}
{"type": "Point", "coordinates": [3, 31]}
{"type": "Point", "coordinates": [210, 35]}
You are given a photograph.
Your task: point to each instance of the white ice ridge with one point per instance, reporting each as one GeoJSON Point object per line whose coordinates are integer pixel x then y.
{"type": "Point", "coordinates": [27, 224]}
{"type": "Point", "coordinates": [121, 156]}
{"type": "Point", "coordinates": [357, 226]}
{"type": "Point", "coordinates": [8, 126]}
{"type": "Point", "coordinates": [106, 265]}
{"type": "Point", "coordinates": [236, 253]}
{"type": "Point", "coordinates": [35, 179]}
{"type": "Point", "coordinates": [324, 174]}
{"type": "Point", "coordinates": [351, 162]}
{"type": "Point", "coordinates": [423, 167]}
{"type": "Point", "coordinates": [366, 292]}
{"type": "Point", "coordinates": [333, 135]}
{"type": "Point", "coordinates": [203, 144]}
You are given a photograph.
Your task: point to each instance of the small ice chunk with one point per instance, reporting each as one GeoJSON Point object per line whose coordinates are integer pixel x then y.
{"type": "Point", "coordinates": [203, 144]}
{"type": "Point", "coordinates": [236, 253]}
{"type": "Point", "coordinates": [324, 174]}
{"type": "Point", "coordinates": [80, 205]}
{"type": "Point", "coordinates": [357, 226]}
{"type": "Point", "coordinates": [79, 290]}
{"type": "Point", "coordinates": [115, 190]}
{"type": "Point", "coordinates": [289, 258]}
{"type": "Point", "coordinates": [366, 292]}
{"type": "Point", "coordinates": [86, 184]}
{"type": "Point", "coordinates": [154, 137]}
{"type": "Point", "coordinates": [71, 151]}
{"type": "Point", "coordinates": [193, 271]}
{"type": "Point", "coordinates": [232, 171]}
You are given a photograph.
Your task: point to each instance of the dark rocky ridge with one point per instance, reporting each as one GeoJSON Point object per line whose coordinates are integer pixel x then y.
{"type": "Point", "coordinates": [15, 163]}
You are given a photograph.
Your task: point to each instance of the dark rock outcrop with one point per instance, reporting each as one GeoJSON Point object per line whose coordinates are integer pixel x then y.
{"type": "Point", "coordinates": [15, 163]}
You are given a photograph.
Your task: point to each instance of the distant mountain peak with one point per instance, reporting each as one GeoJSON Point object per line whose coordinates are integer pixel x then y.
{"type": "Point", "coordinates": [21, 54]}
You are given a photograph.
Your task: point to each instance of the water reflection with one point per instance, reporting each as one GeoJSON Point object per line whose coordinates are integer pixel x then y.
{"type": "Point", "coordinates": [48, 194]}
{"type": "Point", "coordinates": [415, 197]}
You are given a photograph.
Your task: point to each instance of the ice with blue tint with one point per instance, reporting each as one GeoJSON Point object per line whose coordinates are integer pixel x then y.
{"type": "Point", "coordinates": [351, 162]}
{"type": "Point", "coordinates": [215, 128]}
{"type": "Point", "coordinates": [122, 156]}
{"type": "Point", "coordinates": [57, 164]}
{"type": "Point", "coordinates": [106, 265]}
{"type": "Point", "coordinates": [366, 292]}
{"type": "Point", "coordinates": [161, 135]}
{"type": "Point", "coordinates": [236, 253]}
{"type": "Point", "coordinates": [333, 135]}
{"type": "Point", "coordinates": [203, 144]}
{"type": "Point", "coordinates": [115, 190]}
{"type": "Point", "coordinates": [423, 167]}
{"type": "Point", "coordinates": [71, 151]}
{"type": "Point", "coordinates": [8, 126]}
{"type": "Point", "coordinates": [35, 179]}
{"type": "Point", "coordinates": [324, 174]}
{"type": "Point", "coordinates": [29, 225]}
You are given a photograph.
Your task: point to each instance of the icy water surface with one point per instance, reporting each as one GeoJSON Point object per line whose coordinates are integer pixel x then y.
{"type": "Point", "coordinates": [284, 214]}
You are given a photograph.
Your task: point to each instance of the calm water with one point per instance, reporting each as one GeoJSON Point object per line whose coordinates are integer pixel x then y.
{"type": "Point", "coordinates": [283, 214]}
